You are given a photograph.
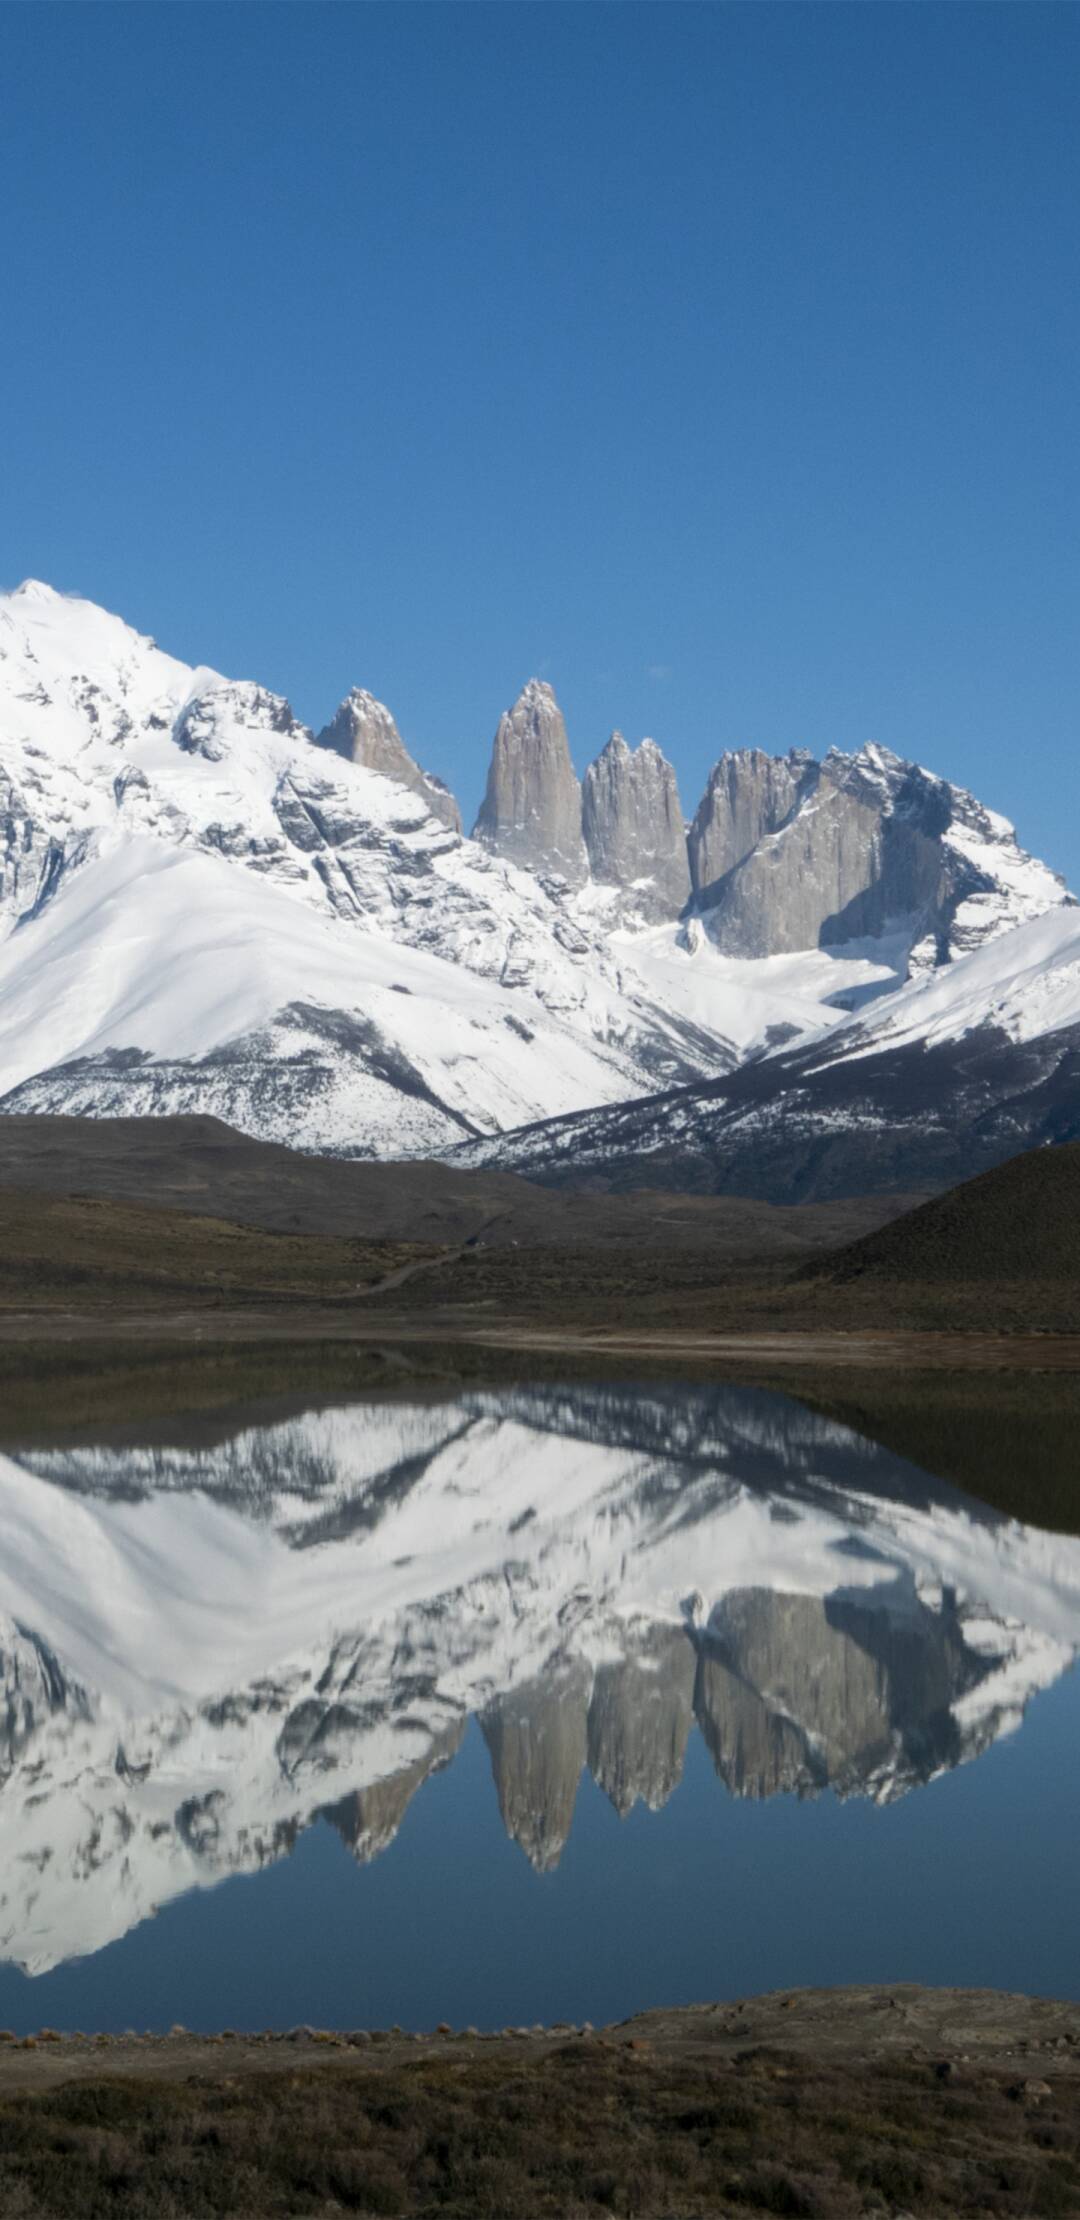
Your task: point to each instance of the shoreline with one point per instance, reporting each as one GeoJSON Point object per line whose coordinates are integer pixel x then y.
{"type": "Point", "coordinates": [900, 2102]}
{"type": "Point", "coordinates": [836, 1348]}
{"type": "Point", "coordinates": [995, 1415]}
{"type": "Point", "coordinates": [879, 2021]}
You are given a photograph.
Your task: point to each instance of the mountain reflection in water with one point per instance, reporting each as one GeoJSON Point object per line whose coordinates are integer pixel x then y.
{"type": "Point", "coordinates": [207, 1644]}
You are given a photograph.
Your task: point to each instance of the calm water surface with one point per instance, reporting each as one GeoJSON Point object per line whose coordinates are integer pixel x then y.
{"type": "Point", "coordinates": [531, 1705]}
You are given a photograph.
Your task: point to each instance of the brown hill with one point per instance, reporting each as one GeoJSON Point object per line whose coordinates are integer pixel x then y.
{"type": "Point", "coordinates": [203, 1166]}
{"type": "Point", "coordinates": [1017, 1223]}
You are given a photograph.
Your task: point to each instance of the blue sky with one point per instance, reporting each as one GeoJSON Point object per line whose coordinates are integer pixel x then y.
{"type": "Point", "coordinates": [719, 363]}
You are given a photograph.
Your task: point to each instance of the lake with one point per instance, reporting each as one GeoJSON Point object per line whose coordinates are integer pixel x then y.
{"type": "Point", "coordinates": [523, 1705]}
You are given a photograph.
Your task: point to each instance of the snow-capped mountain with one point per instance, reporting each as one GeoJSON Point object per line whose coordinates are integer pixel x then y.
{"type": "Point", "coordinates": [787, 853]}
{"type": "Point", "coordinates": [203, 1649]}
{"type": "Point", "coordinates": [957, 1071]}
{"type": "Point", "coordinates": [205, 907]}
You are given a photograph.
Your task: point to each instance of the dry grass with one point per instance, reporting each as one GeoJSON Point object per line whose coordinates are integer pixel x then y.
{"type": "Point", "coordinates": [60, 1251]}
{"type": "Point", "coordinates": [588, 2128]}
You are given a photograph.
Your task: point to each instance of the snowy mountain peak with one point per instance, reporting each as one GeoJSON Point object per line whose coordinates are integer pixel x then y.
{"type": "Point", "coordinates": [531, 811]}
{"type": "Point", "coordinates": [363, 731]}
{"type": "Point", "coordinates": [215, 912]}
{"type": "Point", "coordinates": [35, 589]}
{"type": "Point", "coordinates": [536, 694]}
{"type": "Point", "coordinates": [68, 617]}
{"type": "Point", "coordinates": [380, 984]}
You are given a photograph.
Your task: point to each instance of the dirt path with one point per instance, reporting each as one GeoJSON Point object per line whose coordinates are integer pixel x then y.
{"type": "Point", "coordinates": [409, 1272]}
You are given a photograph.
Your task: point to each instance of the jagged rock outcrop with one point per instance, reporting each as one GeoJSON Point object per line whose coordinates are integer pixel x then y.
{"type": "Point", "coordinates": [798, 1693]}
{"type": "Point", "coordinates": [363, 731]}
{"type": "Point", "coordinates": [369, 1818]}
{"type": "Point", "coordinates": [537, 1739]}
{"type": "Point", "coordinates": [749, 795]}
{"type": "Point", "coordinates": [633, 825]}
{"type": "Point", "coordinates": [531, 811]}
{"type": "Point", "coordinates": [788, 854]}
{"type": "Point", "coordinates": [640, 1716]}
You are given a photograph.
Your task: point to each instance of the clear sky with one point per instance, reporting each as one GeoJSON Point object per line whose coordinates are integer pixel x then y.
{"type": "Point", "coordinates": [718, 363]}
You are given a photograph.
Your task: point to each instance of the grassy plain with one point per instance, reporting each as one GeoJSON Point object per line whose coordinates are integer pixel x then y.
{"type": "Point", "coordinates": [831, 2105]}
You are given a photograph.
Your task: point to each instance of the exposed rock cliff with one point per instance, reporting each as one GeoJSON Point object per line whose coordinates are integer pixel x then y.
{"type": "Point", "coordinates": [531, 811]}
{"type": "Point", "coordinates": [536, 1735]}
{"type": "Point", "coordinates": [640, 1717]}
{"type": "Point", "coordinates": [368, 1819]}
{"type": "Point", "coordinates": [363, 731]}
{"type": "Point", "coordinates": [633, 825]}
{"type": "Point", "coordinates": [789, 854]}
{"type": "Point", "coordinates": [749, 796]}
{"type": "Point", "coordinates": [798, 1693]}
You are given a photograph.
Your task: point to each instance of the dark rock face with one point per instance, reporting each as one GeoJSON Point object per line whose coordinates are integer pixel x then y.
{"type": "Point", "coordinates": [798, 1693]}
{"type": "Point", "coordinates": [640, 1717]}
{"type": "Point", "coordinates": [33, 1688]}
{"type": "Point", "coordinates": [531, 812]}
{"type": "Point", "coordinates": [788, 854]}
{"type": "Point", "coordinates": [28, 849]}
{"type": "Point", "coordinates": [363, 731]}
{"type": "Point", "coordinates": [536, 1736]}
{"type": "Point", "coordinates": [749, 796]}
{"type": "Point", "coordinates": [633, 825]}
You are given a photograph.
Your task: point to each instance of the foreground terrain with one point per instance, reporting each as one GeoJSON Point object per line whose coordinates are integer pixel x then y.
{"type": "Point", "coordinates": [151, 1266]}
{"type": "Point", "coordinates": [106, 1217]}
{"type": "Point", "coordinates": [148, 1270]}
{"type": "Point", "coordinates": [823, 2103]}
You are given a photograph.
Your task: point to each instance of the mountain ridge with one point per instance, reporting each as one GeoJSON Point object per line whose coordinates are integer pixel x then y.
{"type": "Point", "coordinates": [206, 907]}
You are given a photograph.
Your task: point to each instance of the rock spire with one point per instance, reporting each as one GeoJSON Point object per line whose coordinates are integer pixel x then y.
{"type": "Point", "coordinates": [531, 812]}
{"type": "Point", "coordinates": [749, 795]}
{"type": "Point", "coordinates": [633, 825]}
{"type": "Point", "coordinates": [363, 731]}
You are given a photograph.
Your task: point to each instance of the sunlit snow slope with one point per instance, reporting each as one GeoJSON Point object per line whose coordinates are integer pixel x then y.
{"type": "Point", "coordinates": [202, 909]}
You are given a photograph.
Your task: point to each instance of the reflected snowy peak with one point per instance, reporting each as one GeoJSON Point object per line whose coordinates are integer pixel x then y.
{"type": "Point", "coordinates": [211, 1641]}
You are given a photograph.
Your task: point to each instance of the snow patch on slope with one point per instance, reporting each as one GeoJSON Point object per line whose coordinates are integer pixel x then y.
{"type": "Point", "coordinates": [107, 743]}
{"type": "Point", "coordinates": [169, 957]}
{"type": "Point", "coordinates": [764, 1002]}
{"type": "Point", "coordinates": [1025, 984]}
